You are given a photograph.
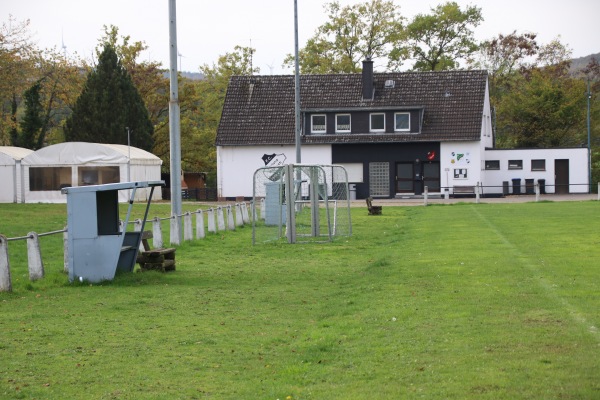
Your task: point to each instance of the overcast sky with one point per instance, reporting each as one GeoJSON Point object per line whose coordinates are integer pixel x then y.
{"type": "Point", "coordinates": [207, 29]}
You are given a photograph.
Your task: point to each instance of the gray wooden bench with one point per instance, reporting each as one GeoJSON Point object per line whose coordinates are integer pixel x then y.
{"type": "Point", "coordinates": [155, 259]}
{"type": "Point", "coordinates": [463, 190]}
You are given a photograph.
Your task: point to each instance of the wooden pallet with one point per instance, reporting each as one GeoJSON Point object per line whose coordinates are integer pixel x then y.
{"type": "Point", "coordinates": [155, 259]}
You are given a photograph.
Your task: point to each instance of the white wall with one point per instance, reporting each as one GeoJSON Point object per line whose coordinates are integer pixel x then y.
{"type": "Point", "coordinates": [8, 181]}
{"type": "Point", "coordinates": [236, 164]}
{"type": "Point", "coordinates": [578, 168]}
{"type": "Point", "coordinates": [460, 157]}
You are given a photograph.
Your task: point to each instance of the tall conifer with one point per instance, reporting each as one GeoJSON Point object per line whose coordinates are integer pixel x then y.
{"type": "Point", "coordinates": [108, 105]}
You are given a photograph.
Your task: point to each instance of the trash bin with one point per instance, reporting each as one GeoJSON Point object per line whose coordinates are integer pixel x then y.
{"type": "Point", "coordinates": [352, 190]}
{"type": "Point", "coordinates": [516, 182]}
{"type": "Point", "coordinates": [529, 189]}
{"type": "Point", "coordinates": [542, 183]}
{"type": "Point", "coordinates": [505, 189]}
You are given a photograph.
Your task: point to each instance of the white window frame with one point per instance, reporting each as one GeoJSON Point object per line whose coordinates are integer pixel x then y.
{"type": "Point", "coordinates": [312, 124]}
{"type": "Point", "coordinates": [396, 129]}
{"type": "Point", "coordinates": [337, 130]}
{"type": "Point", "coordinates": [371, 122]}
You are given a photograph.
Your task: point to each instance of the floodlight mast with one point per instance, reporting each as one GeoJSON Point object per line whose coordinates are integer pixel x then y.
{"type": "Point", "coordinates": [174, 123]}
{"type": "Point", "coordinates": [297, 86]}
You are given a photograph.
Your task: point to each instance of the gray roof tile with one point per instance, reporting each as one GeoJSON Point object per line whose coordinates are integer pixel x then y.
{"type": "Point", "coordinates": [259, 110]}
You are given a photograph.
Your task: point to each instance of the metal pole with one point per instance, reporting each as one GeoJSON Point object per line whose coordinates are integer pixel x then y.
{"type": "Point", "coordinates": [589, 97]}
{"type": "Point", "coordinates": [174, 125]}
{"type": "Point", "coordinates": [297, 86]}
{"type": "Point", "coordinates": [128, 156]}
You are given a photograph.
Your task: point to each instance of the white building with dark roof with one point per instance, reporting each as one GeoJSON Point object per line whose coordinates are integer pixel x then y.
{"type": "Point", "coordinates": [395, 133]}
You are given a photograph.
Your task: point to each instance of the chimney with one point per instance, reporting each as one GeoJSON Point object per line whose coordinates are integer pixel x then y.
{"type": "Point", "coordinates": [367, 79]}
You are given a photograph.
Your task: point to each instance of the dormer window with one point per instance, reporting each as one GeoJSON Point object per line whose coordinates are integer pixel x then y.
{"type": "Point", "coordinates": [318, 123]}
{"type": "Point", "coordinates": [342, 123]}
{"type": "Point", "coordinates": [402, 122]}
{"type": "Point", "coordinates": [377, 122]}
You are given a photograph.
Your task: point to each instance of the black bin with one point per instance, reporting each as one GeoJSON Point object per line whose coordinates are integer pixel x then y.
{"type": "Point", "coordinates": [516, 182]}
{"type": "Point", "coordinates": [505, 189]}
{"type": "Point", "coordinates": [529, 189]}
{"type": "Point", "coordinates": [542, 183]}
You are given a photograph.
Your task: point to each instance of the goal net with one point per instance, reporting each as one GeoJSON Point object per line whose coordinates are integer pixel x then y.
{"type": "Point", "coordinates": [300, 203]}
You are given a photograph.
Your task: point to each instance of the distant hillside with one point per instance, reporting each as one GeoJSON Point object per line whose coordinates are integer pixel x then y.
{"type": "Point", "coordinates": [578, 64]}
{"type": "Point", "coordinates": [194, 76]}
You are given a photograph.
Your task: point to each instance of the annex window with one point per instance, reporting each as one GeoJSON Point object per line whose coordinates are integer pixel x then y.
{"type": "Point", "coordinates": [318, 123]}
{"type": "Point", "coordinates": [377, 122]}
{"type": "Point", "coordinates": [49, 178]}
{"type": "Point", "coordinates": [515, 164]}
{"type": "Point", "coordinates": [402, 122]}
{"type": "Point", "coordinates": [538, 165]}
{"type": "Point", "coordinates": [379, 179]}
{"type": "Point", "coordinates": [492, 164]}
{"type": "Point", "coordinates": [342, 123]}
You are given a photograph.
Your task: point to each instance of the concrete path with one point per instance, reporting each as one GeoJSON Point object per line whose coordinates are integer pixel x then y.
{"type": "Point", "coordinates": [507, 199]}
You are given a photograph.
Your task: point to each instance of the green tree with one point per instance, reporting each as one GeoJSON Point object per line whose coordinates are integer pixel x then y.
{"type": "Point", "coordinates": [201, 104]}
{"type": "Point", "coordinates": [543, 110]}
{"type": "Point", "coordinates": [32, 122]}
{"type": "Point", "coordinates": [351, 34]}
{"type": "Point", "coordinates": [147, 76]}
{"type": "Point", "coordinates": [18, 58]}
{"type": "Point", "coordinates": [108, 106]}
{"type": "Point", "coordinates": [440, 40]}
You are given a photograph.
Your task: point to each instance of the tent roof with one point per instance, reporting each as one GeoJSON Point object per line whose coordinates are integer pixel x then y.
{"type": "Point", "coordinates": [9, 154]}
{"type": "Point", "coordinates": [75, 153]}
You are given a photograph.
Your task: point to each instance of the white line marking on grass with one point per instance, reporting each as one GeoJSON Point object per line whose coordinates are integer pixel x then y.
{"type": "Point", "coordinates": [577, 316]}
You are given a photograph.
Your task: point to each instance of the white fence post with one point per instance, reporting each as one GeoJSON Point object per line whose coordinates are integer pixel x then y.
{"type": "Point", "coordinates": [220, 219]}
{"type": "Point", "coordinates": [34, 257]}
{"type": "Point", "coordinates": [425, 195]}
{"type": "Point", "coordinates": [66, 250]}
{"type": "Point", "coordinates": [200, 234]}
{"type": "Point", "coordinates": [239, 218]}
{"type": "Point", "coordinates": [175, 231]}
{"type": "Point", "coordinates": [245, 216]}
{"type": "Point", "coordinates": [210, 213]}
{"type": "Point", "coordinates": [5, 281]}
{"type": "Point", "coordinates": [157, 237]}
{"type": "Point", "coordinates": [477, 192]}
{"type": "Point", "coordinates": [537, 192]}
{"type": "Point", "coordinates": [188, 231]}
{"type": "Point", "coordinates": [230, 223]}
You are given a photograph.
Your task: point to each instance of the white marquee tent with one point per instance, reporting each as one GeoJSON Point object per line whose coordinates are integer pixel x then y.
{"type": "Point", "coordinates": [47, 170]}
{"type": "Point", "coordinates": [11, 178]}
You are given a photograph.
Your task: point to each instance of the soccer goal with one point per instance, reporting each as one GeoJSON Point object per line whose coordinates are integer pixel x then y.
{"type": "Point", "coordinates": [301, 203]}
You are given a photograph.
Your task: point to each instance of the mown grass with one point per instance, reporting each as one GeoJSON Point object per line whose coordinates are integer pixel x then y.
{"type": "Point", "coordinates": [469, 301]}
